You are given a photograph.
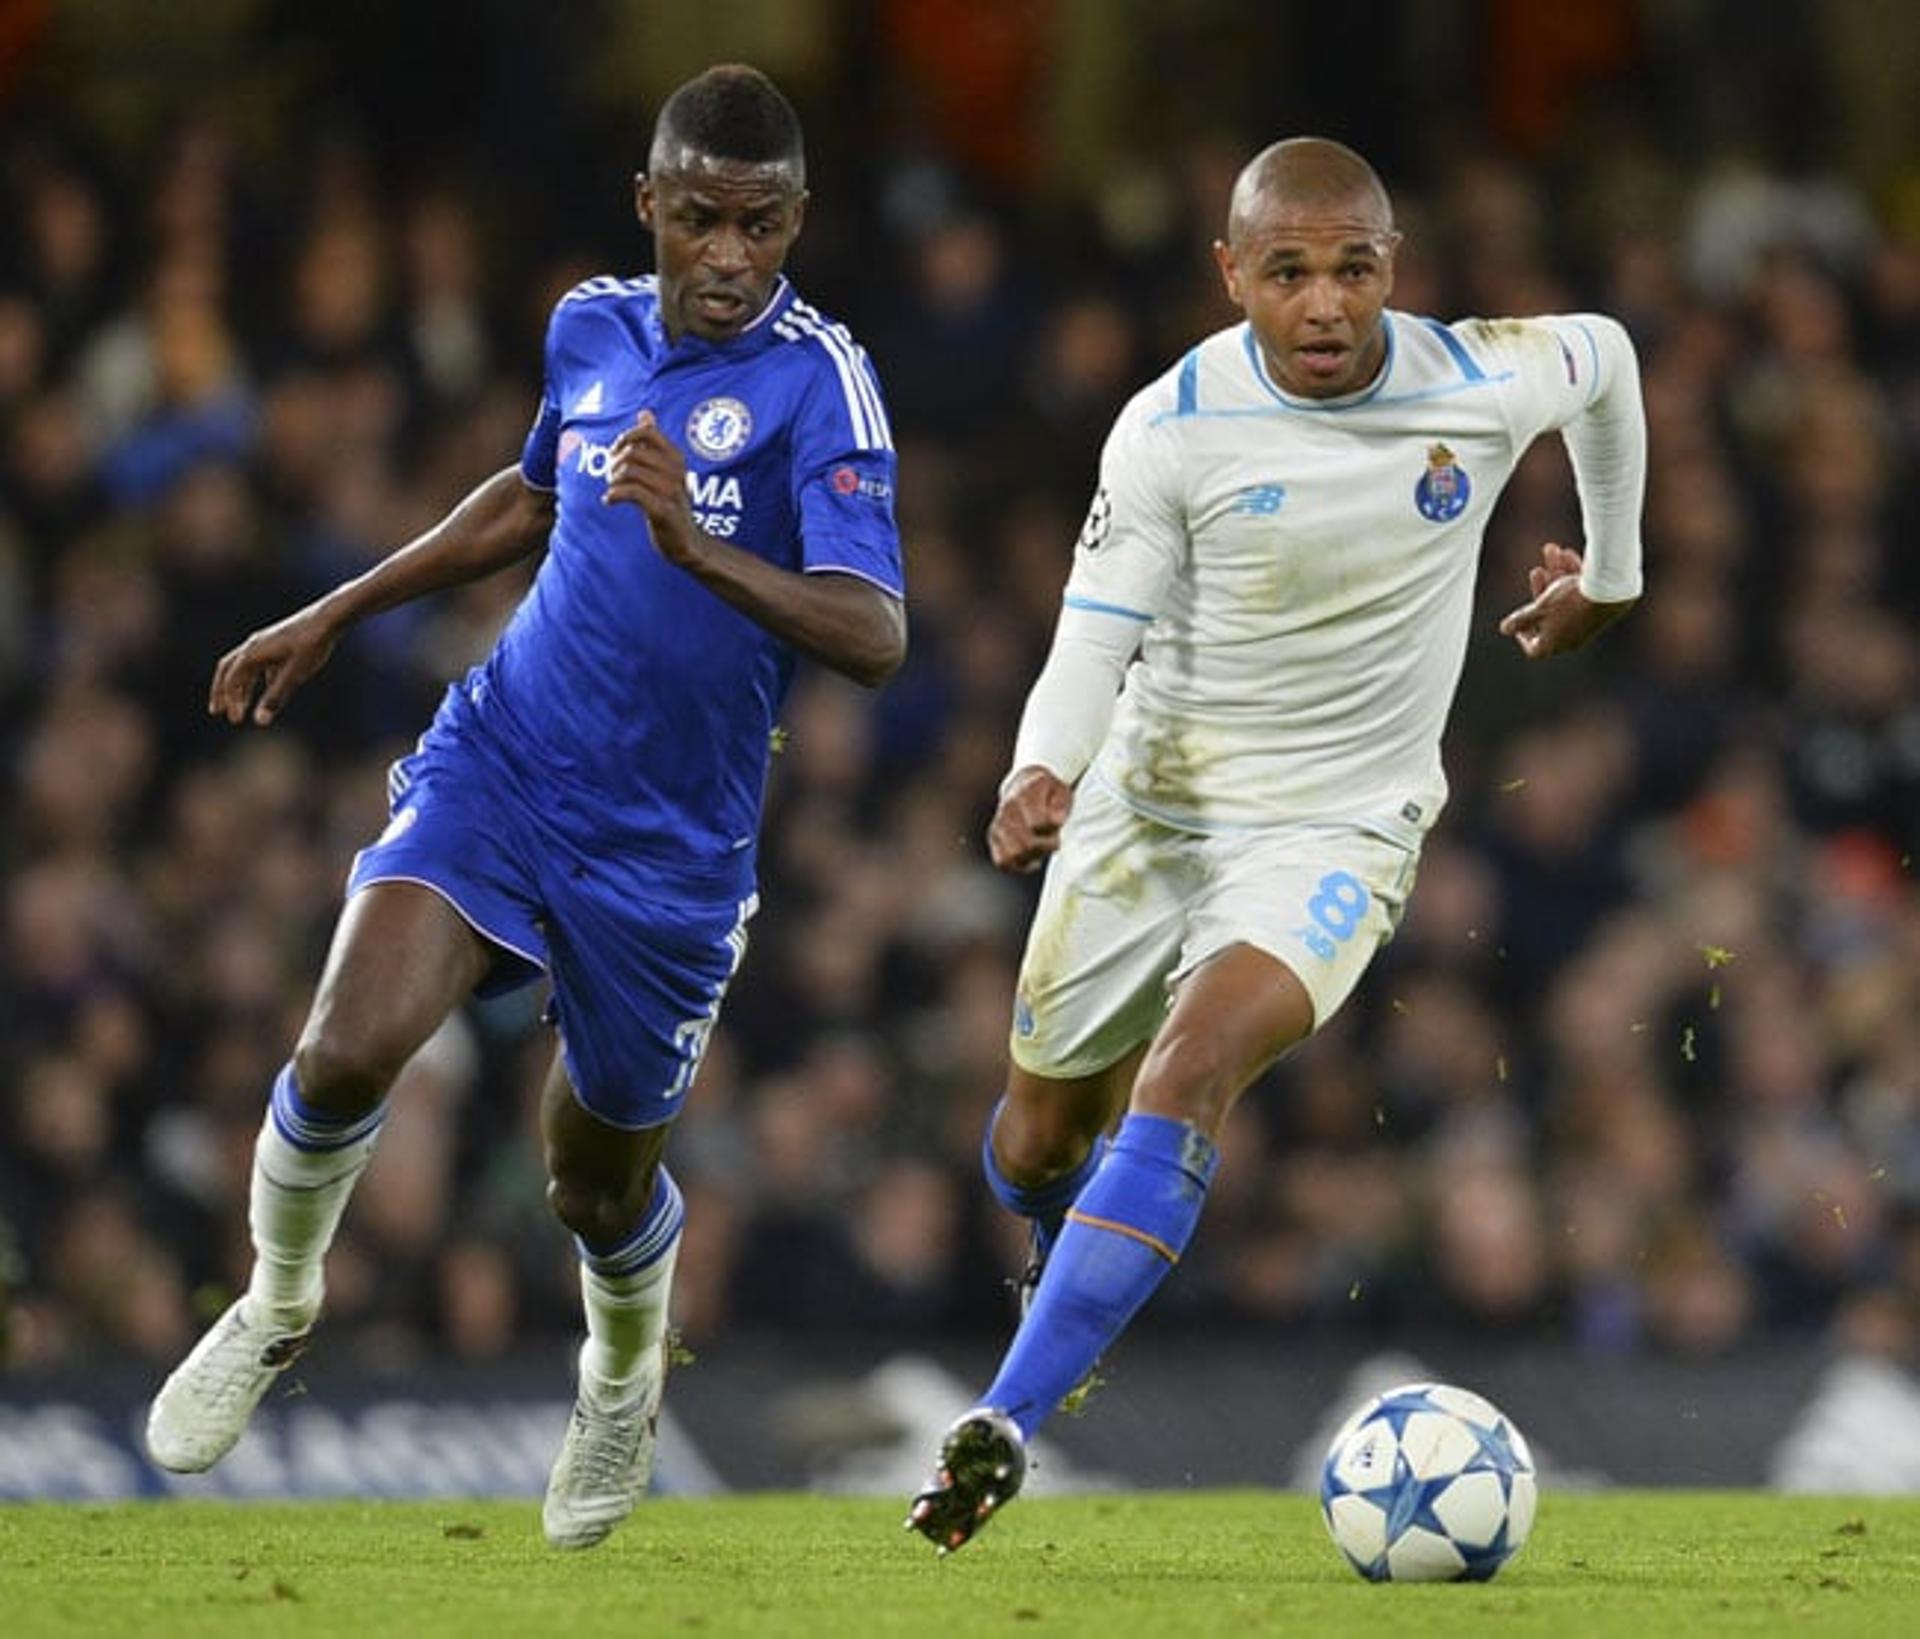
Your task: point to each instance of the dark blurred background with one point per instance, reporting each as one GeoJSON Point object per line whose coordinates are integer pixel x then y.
{"type": "Point", "coordinates": [1641, 1074]}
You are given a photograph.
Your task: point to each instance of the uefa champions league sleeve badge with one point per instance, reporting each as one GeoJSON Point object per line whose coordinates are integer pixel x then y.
{"type": "Point", "coordinates": [1443, 491]}
{"type": "Point", "coordinates": [1095, 531]}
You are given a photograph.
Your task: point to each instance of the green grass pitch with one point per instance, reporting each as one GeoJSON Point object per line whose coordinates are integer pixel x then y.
{"type": "Point", "coordinates": [1163, 1564]}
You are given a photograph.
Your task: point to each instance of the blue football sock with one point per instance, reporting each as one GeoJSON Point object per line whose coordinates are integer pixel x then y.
{"type": "Point", "coordinates": [658, 1229]}
{"type": "Point", "coordinates": [1128, 1228]}
{"type": "Point", "coordinates": [1046, 1204]}
{"type": "Point", "coordinates": [308, 1127]}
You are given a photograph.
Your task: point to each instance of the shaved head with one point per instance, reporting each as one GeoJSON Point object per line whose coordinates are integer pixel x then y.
{"type": "Point", "coordinates": [1308, 177]}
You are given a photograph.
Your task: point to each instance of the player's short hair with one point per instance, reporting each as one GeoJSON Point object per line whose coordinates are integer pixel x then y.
{"type": "Point", "coordinates": [1309, 171]}
{"type": "Point", "coordinates": [731, 111]}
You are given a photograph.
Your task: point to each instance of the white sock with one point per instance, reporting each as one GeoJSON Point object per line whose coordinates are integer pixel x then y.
{"type": "Point", "coordinates": [294, 1209]}
{"type": "Point", "coordinates": [626, 1319]}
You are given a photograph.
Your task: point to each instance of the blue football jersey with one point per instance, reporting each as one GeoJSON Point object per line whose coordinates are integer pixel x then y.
{"type": "Point", "coordinates": [636, 706]}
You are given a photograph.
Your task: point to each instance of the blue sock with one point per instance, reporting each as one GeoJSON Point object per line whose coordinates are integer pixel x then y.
{"type": "Point", "coordinates": [1128, 1228]}
{"type": "Point", "coordinates": [652, 1238]}
{"type": "Point", "coordinates": [1046, 1204]}
{"type": "Point", "coordinates": [309, 1128]}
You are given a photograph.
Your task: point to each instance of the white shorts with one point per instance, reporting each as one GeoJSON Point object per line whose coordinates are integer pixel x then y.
{"type": "Point", "coordinates": [1131, 906]}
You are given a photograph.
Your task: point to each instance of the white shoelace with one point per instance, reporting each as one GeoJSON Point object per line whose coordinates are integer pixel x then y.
{"type": "Point", "coordinates": [607, 1444]}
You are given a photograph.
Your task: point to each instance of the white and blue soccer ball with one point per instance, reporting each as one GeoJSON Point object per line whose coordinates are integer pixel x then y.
{"type": "Point", "coordinates": [1428, 1483]}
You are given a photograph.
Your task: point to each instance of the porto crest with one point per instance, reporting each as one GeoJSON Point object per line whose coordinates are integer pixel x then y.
{"type": "Point", "coordinates": [1444, 490]}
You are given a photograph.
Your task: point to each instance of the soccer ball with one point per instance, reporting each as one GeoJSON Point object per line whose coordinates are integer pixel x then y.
{"type": "Point", "coordinates": [1428, 1483]}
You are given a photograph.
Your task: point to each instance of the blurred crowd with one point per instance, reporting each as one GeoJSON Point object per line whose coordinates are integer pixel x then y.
{"type": "Point", "coordinates": [1640, 1072]}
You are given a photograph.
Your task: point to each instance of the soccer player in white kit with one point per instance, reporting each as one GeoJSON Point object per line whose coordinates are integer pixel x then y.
{"type": "Point", "coordinates": [1232, 753]}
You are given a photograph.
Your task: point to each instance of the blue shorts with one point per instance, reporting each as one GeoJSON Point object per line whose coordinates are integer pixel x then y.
{"type": "Point", "coordinates": [637, 978]}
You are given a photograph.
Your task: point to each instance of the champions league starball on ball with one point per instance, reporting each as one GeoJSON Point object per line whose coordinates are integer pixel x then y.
{"type": "Point", "coordinates": [1428, 1483]}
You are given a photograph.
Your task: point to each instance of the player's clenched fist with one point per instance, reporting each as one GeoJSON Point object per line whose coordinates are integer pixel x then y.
{"type": "Point", "coordinates": [1026, 826]}
{"type": "Point", "coordinates": [647, 470]}
{"type": "Point", "coordinates": [1559, 617]}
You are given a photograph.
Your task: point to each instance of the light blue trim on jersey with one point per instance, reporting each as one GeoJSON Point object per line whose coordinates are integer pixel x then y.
{"type": "Point", "coordinates": [1408, 837]}
{"type": "Point", "coordinates": [1593, 347]}
{"type": "Point", "coordinates": [1189, 393]}
{"type": "Point", "coordinates": [1094, 606]}
{"type": "Point", "coordinates": [1316, 406]}
{"type": "Point", "coordinates": [1288, 407]}
{"type": "Point", "coordinates": [1452, 344]}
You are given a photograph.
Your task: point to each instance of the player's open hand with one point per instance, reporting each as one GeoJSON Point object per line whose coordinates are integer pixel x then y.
{"type": "Point", "coordinates": [1026, 825]}
{"type": "Point", "coordinates": [647, 470]}
{"type": "Point", "coordinates": [1558, 617]}
{"type": "Point", "coordinates": [256, 679]}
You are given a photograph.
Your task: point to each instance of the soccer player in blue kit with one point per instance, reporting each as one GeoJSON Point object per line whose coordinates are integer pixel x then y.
{"type": "Point", "coordinates": [711, 474]}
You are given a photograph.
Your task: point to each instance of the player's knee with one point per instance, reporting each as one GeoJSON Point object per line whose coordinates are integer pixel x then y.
{"type": "Point", "coordinates": [1033, 1144]}
{"type": "Point", "coordinates": [600, 1213]}
{"type": "Point", "coordinates": [343, 1075]}
{"type": "Point", "coordinates": [1190, 1077]}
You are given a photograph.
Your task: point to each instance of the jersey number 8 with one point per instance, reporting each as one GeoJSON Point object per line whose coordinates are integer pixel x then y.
{"type": "Point", "coordinates": [1335, 912]}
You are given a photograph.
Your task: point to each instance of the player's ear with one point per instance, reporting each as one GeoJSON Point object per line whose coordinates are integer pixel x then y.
{"type": "Point", "coordinates": [1229, 273]}
{"type": "Point", "coordinates": [800, 213]}
{"type": "Point", "coordinates": [643, 199]}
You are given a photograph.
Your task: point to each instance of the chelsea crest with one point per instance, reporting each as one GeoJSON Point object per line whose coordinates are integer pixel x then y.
{"type": "Point", "coordinates": [1443, 491]}
{"type": "Point", "coordinates": [719, 428]}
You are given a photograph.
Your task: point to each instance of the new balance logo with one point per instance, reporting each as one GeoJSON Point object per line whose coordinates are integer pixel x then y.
{"type": "Point", "coordinates": [1260, 500]}
{"type": "Point", "coordinates": [588, 403]}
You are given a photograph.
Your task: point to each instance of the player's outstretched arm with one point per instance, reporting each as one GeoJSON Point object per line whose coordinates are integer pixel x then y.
{"type": "Point", "coordinates": [1558, 616]}
{"type": "Point", "coordinates": [839, 620]}
{"type": "Point", "coordinates": [501, 522]}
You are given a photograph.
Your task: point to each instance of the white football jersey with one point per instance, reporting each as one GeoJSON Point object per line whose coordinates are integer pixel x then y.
{"type": "Point", "coordinates": [1304, 568]}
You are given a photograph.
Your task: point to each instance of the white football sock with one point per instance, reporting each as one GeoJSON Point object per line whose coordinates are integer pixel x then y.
{"type": "Point", "coordinates": [294, 1209]}
{"type": "Point", "coordinates": [626, 1318]}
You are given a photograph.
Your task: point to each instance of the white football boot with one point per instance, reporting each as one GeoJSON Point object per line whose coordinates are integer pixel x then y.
{"type": "Point", "coordinates": [607, 1457]}
{"type": "Point", "coordinates": [202, 1409]}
